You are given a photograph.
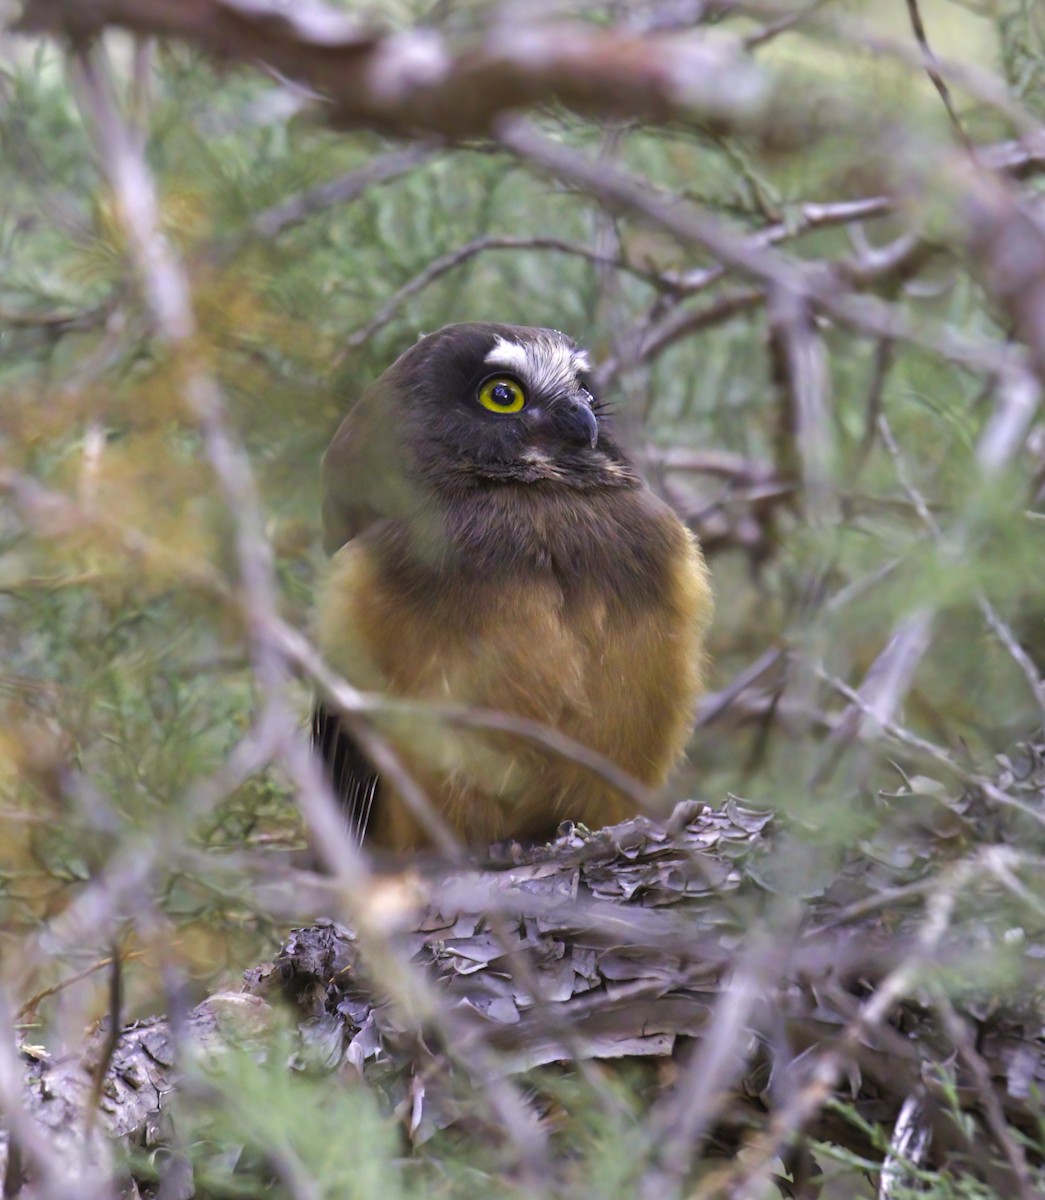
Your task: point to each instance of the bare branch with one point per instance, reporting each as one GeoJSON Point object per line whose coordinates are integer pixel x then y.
{"type": "Point", "coordinates": [690, 224]}
{"type": "Point", "coordinates": [421, 80]}
{"type": "Point", "coordinates": [453, 259]}
{"type": "Point", "coordinates": [933, 71]}
{"type": "Point", "coordinates": [342, 190]}
{"type": "Point", "coordinates": [806, 422]}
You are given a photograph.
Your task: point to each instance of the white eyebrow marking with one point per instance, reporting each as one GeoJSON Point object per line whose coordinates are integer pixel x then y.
{"type": "Point", "coordinates": [509, 355]}
{"type": "Point", "coordinates": [547, 363]}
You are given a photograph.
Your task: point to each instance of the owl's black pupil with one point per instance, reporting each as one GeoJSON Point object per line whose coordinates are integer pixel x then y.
{"type": "Point", "coordinates": [502, 393]}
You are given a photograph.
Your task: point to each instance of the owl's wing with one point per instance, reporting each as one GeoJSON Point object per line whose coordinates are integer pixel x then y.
{"type": "Point", "coordinates": [350, 505]}
{"type": "Point", "coordinates": [364, 477]}
{"type": "Point", "coordinates": [354, 780]}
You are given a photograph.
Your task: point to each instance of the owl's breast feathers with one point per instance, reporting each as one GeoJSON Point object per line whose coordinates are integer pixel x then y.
{"type": "Point", "coordinates": [583, 609]}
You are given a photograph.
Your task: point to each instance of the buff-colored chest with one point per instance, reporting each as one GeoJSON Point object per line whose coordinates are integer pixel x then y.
{"type": "Point", "coordinates": [619, 678]}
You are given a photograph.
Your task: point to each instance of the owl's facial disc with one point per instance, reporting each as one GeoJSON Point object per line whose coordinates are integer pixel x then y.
{"type": "Point", "coordinates": [542, 375]}
{"type": "Point", "coordinates": [485, 404]}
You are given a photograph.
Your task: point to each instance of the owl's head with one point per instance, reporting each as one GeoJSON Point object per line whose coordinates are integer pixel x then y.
{"type": "Point", "coordinates": [469, 406]}
{"type": "Point", "coordinates": [488, 403]}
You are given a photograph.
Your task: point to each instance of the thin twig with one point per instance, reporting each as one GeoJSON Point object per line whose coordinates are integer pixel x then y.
{"type": "Point", "coordinates": [56, 513]}
{"type": "Point", "coordinates": [351, 701]}
{"type": "Point", "coordinates": [773, 29]}
{"type": "Point", "coordinates": [808, 218]}
{"type": "Point", "coordinates": [884, 357]}
{"type": "Point", "coordinates": [936, 753]}
{"type": "Point", "coordinates": [28, 1009]}
{"type": "Point", "coordinates": [679, 1123]}
{"type": "Point", "coordinates": [1026, 1187]}
{"type": "Point", "coordinates": [646, 341]}
{"type": "Point", "coordinates": [826, 1067]}
{"type": "Point", "coordinates": [343, 190]}
{"type": "Point", "coordinates": [712, 706]}
{"type": "Point", "coordinates": [933, 71]}
{"type": "Point", "coordinates": [453, 259]}
{"type": "Point", "coordinates": [990, 614]}
{"type": "Point", "coordinates": [112, 1037]}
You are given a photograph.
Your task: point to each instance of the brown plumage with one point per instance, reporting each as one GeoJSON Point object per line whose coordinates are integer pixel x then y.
{"type": "Point", "coordinates": [494, 547]}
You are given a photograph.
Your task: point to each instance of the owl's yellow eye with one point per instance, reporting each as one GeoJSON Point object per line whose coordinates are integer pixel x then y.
{"type": "Point", "coordinates": [501, 394]}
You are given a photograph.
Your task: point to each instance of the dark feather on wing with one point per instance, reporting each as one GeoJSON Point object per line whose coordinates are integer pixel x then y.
{"type": "Point", "coordinates": [354, 780]}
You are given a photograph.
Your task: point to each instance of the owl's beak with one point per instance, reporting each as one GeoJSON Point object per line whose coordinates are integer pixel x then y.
{"type": "Point", "coordinates": [577, 422]}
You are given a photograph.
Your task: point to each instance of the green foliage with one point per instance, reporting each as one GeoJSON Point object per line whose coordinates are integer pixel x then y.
{"type": "Point", "coordinates": [239, 1146]}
